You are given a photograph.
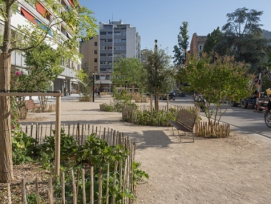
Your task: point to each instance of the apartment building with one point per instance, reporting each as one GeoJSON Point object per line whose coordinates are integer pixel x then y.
{"type": "Point", "coordinates": [91, 58]}
{"type": "Point", "coordinates": [116, 40]}
{"type": "Point", "coordinates": [197, 44]}
{"type": "Point", "coordinates": [38, 14]}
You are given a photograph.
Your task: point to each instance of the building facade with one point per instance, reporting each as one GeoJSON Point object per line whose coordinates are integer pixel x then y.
{"type": "Point", "coordinates": [90, 49]}
{"type": "Point", "coordinates": [197, 44]}
{"type": "Point", "coordinates": [39, 15]}
{"type": "Point", "coordinates": [117, 40]}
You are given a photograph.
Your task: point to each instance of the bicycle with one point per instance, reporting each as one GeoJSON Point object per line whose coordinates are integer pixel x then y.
{"type": "Point", "coordinates": [267, 118]}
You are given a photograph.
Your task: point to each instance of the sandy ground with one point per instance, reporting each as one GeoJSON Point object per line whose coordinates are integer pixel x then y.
{"type": "Point", "coordinates": [219, 171]}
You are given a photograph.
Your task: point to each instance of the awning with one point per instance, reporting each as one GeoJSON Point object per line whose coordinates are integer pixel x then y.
{"type": "Point", "coordinates": [28, 16]}
{"type": "Point", "coordinates": [103, 82]}
{"type": "Point", "coordinates": [71, 2]}
{"type": "Point", "coordinates": [40, 9]}
{"type": "Point", "coordinates": [61, 77]}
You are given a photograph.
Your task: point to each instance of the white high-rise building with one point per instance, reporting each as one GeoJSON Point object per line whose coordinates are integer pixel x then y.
{"type": "Point", "coordinates": [115, 40]}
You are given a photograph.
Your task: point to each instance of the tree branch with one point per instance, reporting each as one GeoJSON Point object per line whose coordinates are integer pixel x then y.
{"type": "Point", "coordinates": [3, 13]}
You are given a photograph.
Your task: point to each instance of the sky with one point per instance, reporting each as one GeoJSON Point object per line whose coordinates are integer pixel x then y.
{"type": "Point", "coordinates": [161, 19]}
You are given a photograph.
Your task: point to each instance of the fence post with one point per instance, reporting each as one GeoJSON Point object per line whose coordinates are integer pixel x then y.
{"type": "Point", "coordinates": [23, 192]}
{"type": "Point", "coordinates": [74, 188]}
{"type": "Point", "coordinates": [9, 194]}
{"type": "Point", "coordinates": [84, 186]}
{"type": "Point", "coordinates": [37, 191]}
{"type": "Point", "coordinates": [57, 135]}
{"type": "Point", "coordinates": [63, 187]}
{"type": "Point", "coordinates": [91, 185]}
{"type": "Point", "coordinates": [50, 191]}
{"type": "Point", "coordinates": [100, 186]}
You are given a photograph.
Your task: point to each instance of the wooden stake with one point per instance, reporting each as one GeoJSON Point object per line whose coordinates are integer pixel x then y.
{"type": "Point", "coordinates": [63, 188]}
{"type": "Point", "coordinates": [57, 135]}
{"type": "Point", "coordinates": [84, 186]}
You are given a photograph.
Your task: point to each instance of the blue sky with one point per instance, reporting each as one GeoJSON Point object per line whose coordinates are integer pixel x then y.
{"type": "Point", "coordinates": [161, 20]}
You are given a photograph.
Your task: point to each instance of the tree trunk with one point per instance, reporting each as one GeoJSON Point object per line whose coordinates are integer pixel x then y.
{"type": "Point", "coordinates": [157, 102]}
{"type": "Point", "coordinates": [6, 167]}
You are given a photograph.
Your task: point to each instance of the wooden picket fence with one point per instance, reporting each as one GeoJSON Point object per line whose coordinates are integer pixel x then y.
{"type": "Point", "coordinates": [80, 132]}
{"type": "Point", "coordinates": [125, 182]}
{"type": "Point", "coordinates": [77, 130]}
{"type": "Point", "coordinates": [212, 129]}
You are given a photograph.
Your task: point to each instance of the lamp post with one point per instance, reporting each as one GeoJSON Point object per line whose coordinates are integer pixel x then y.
{"type": "Point", "coordinates": [93, 84]}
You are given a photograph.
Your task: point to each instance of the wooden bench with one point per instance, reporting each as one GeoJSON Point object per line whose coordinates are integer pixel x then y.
{"type": "Point", "coordinates": [30, 105]}
{"type": "Point", "coordinates": [185, 121]}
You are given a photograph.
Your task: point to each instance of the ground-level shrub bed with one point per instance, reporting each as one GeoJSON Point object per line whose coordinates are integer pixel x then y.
{"type": "Point", "coordinates": [154, 118]}
{"type": "Point", "coordinates": [94, 153]}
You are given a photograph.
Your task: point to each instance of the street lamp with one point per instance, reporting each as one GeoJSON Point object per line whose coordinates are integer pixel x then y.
{"type": "Point", "coordinates": [93, 84]}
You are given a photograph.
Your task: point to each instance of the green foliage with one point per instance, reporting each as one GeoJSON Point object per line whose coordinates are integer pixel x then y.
{"type": "Point", "coordinates": [85, 82]}
{"type": "Point", "coordinates": [219, 80]}
{"type": "Point", "coordinates": [32, 199]}
{"type": "Point", "coordinates": [213, 42]}
{"type": "Point", "coordinates": [158, 72]}
{"type": "Point", "coordinates": [127, 71]}
{"type": "Point", "coordinates": [106, 107]}
{"type": "Point", "coordinates": [154, 118]}
{"type": "Point", "coordinates": [243, 38]}
{"type": "Point", "coordinates": [94, 152]}
{"type": "Point", "coordinates": [138, 175]}
{"type": "Point", "coordinates": [181, 48]}
{"type": "Point", "coordinates": [23, 148]}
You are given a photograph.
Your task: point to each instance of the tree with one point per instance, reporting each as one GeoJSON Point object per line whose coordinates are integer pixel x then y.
{"type": "Point", "coordinates": [218, 80]}
{"type": "Point", "coordinates": [243, 37]}
{"type": "Point", "coordinates": [213, 43]}
{"type": "Point", "coordinates": [159, 74]}
{"type": "Point", "coordinates": [127, 71]}
{"type": "Point", "coordinates": [181, 48]}
{"type": "Point", "coordinates": [77, 20]}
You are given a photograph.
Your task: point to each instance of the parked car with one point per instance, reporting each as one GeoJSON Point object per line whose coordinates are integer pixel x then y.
{"type": "Point", "coordinates": [171, 95]}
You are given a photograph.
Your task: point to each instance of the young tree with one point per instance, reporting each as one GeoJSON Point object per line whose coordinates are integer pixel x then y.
{"type": "Point", "coordinates": [159, 74]}
{"type": "Point", "coordinates": [127, 71]}
{"type": "Point", "coordinates": [77, 20]}
{"type": "Point", "coordinates": [217, 81]}
{"type": "Point", "coordinates": [181, 48]}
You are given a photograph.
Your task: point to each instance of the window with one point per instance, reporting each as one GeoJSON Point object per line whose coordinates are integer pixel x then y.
{"type": "Point", "coordinates": [123, 40]}
{"type": "Point", "coordinates": [103, 40]}
{"type": "Point", "coordinates": [95, 44]}
{"type": "Point", "coordinates": [103, 47]}
{"type": "Point", "coordinates": [102, 54]}
{"type": "Point", "coordinates": [109, 33]}
{"type": "Point", "coordinates": [117, 33]}
{"type": "Point", "coordinates": [109, 48]}
{"type": "Point", "coordinates": [103, 62]}
{"type": "Point", "coordinates": [117, 40]}
{"type": "Point", "coordinates": [109, 40]}
{"type": "Point", "coordinates": [102, 33]}
{"type": "Point", "coordinates": [95, 52]}
{"type": "Point", "coordinates": [102, 70]}
{"type": "Point", "coordinates": [107, 77]}
{"type": "Point", "coordinates": [109, 55]}
{"type": "Point", "coordinates": [95, 60]}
